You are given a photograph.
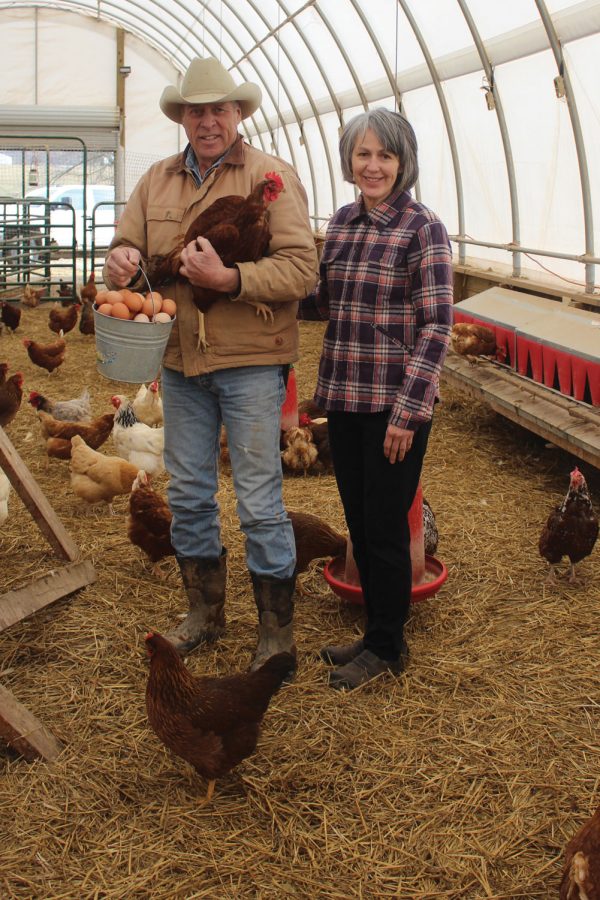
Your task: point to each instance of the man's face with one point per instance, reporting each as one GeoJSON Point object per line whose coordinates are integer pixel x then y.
{"type": "Point", "coordinates": [211, 129]}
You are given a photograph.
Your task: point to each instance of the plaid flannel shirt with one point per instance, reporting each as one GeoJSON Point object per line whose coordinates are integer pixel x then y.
{"type": "Point", "coordinates": [386, 288]}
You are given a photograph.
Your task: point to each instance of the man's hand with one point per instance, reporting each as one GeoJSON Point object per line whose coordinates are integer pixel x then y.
{"type": "Point", "coordinates": [122, 265]}
{"type": "Point", "coordinates": [202, 266]}
{"type": "Point", "coordinates": [397, 443]}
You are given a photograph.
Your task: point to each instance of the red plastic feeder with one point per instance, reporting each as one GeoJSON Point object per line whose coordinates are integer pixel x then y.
{"type": "Point", "coordinates": [428, 573]}
{"type": "Point", "coordinates": [289, 407]}
{"type": "Point", "coordinates": [436, 575]}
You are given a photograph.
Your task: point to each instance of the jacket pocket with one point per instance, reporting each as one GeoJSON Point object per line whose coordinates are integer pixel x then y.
{"type": "Point", "coordinates": [164, 227]}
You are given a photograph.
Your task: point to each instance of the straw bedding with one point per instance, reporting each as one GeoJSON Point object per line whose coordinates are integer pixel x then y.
{"type": "Point", "coordinates": [462, 779]}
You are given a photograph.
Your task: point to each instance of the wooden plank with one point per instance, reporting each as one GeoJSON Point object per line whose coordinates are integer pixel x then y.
{"type": "Point", "coordinates": [23, 733]}
{"type": "Point", "coordinates": [18, 604]}
{"type": "Point", "coordinates": [43, 515]}
{"type": "Point", "coordinates": [573, 426]}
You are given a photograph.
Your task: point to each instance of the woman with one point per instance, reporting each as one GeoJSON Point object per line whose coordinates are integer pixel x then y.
{"type": "Point", "coordinates": [386, 288]}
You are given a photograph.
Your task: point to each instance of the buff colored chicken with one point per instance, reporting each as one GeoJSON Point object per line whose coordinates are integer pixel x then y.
{"type": "Point", "coordinates": [96, 478]}
{"type": "Point", "coordinates": [300, 452]}
{"type": "Point", "coordinates": [32, 296]}
{"type": "Point", "coordinates": [4, 494]}
{"type": "Point", "coordinates": [472, 341]}
{"type": "Point", "coordinates": [147, 405]}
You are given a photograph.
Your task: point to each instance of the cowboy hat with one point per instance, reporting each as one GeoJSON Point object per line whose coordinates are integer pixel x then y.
{"type": "Point", "coordinates": [207, 81]}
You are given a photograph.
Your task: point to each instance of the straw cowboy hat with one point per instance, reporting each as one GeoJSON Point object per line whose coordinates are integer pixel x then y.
{"type": "Point", "coordinates": [207, 81]}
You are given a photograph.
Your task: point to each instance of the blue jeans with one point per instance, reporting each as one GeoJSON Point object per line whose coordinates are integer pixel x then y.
{"type": "Point", "coordinates": [247, 400]}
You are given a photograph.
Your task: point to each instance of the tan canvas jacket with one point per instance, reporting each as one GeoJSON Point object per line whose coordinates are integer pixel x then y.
{"type": "Point", "coordinates": [163, 205]}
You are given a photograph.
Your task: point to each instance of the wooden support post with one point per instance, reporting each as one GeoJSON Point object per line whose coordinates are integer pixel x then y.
{"type": "Point", "coordinates": [18, 727]}
{"type": "Point", "coordinates": [23, 732]}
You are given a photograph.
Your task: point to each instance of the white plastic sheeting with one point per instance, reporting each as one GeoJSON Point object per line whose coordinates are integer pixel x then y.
{"type": "Point", "coordinates": [524, 173]}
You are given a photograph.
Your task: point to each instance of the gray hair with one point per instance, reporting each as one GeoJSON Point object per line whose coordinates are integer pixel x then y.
{"type": "Point", "coordinates": [395, 133]}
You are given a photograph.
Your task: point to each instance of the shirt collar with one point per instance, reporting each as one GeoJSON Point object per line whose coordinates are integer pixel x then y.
{"type": "Point", "coordinates": [234, 155]}
{"type": "Point", "coordinates": [382, 214]}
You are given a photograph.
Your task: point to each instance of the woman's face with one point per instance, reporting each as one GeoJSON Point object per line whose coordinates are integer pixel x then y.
{"type": "Point", "coordinates": [374, 169]}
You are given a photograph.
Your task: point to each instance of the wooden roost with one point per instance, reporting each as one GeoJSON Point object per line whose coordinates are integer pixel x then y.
{"type": "Point", "coordinates": [18, 727]}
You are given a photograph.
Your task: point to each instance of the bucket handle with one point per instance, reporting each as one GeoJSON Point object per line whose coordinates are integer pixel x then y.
{"type": "Point", "coordinates": [150, 290]}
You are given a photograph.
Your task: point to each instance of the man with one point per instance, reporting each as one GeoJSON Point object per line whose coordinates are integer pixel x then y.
{"type": "Point", "coordinates": [226, 366]}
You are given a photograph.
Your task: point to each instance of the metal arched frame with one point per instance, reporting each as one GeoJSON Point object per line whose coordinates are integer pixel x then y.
{"type": "Point", "coordinates": [460, 200]}
{"type": "Point", "coordinates": [309, 97]}
{"type": "Point", "coordinates": [154, 25]}
{"type": "Point", "coordinates": [584, 175]}
{"type": "Point", "coordinates": [510, 166]}
{"type": "Point", "coordinates": [245, 54]}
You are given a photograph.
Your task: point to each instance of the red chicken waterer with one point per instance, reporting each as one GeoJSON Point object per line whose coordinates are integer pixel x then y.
{"type": "Point", "coordinates": [289, 407]}
{"type": "Point", "coordinates": [428, 573]}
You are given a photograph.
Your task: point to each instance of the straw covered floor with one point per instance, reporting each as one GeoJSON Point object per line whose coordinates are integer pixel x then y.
{"type": "Point", "coordinates": [463, 778]}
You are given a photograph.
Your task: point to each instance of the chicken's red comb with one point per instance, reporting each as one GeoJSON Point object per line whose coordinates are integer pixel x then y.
{"type": "Point", "coordinates": [576, 477]}
{"type": "Point", "coordinates": [304, 420]}
{"type": "Point", "coordinates": [276, 177]}
{"type": "Point", "coordinates": [149, 635]}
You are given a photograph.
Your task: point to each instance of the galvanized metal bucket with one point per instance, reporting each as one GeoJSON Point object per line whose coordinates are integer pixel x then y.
{"type": "Point", "coordinates": [130, 351]}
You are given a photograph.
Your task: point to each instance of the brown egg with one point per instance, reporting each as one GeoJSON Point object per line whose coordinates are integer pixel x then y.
{"type": "Point", "coordinates": [169, 306]}
{"type": "Point", "coordinates": [120, 311]}
{"type": "Point", "coordinates": [101, 298]}
{"type": "Point", "coordinates": [113, 297]}
{"type": "Point", "coordinates": [133, 301]}
{"type": "Point", "coordinates": [105, 309]}
{"type": "Point", "coordinates": [152, 304]}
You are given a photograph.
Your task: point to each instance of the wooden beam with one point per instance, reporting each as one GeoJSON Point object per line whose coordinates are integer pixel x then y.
{"type": "Point", "coordinates": [42, 513]}
{"type": "Point", "coordinates": [570, 424]}
{"type": "Point", "coordinates": [23, 732]}
{"type": "Point", "coordinates": [17, 605]}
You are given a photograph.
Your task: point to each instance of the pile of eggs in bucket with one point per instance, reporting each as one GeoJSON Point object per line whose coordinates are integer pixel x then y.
{"type": "Point", "coordinates": [125, 304]}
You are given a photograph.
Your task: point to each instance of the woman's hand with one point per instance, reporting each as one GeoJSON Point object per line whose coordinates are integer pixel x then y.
{"type": "Point", "coordinates": [202, 266]}
{"type": "Point", "coordinates": [122, 265]}
{"type": "Point", "coordinates": [397, 443]}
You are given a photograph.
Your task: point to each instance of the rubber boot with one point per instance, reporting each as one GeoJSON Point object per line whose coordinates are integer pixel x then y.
{"type": "Point", "coordinates": [204, 583]}
{"type": "Point", "coordinates": [274, 599]}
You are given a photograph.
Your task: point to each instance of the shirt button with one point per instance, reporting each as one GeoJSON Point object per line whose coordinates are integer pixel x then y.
{"type": "Point", "coordinates": [168, 214]}
{"type": "Point", "coordinates": [279, 340]}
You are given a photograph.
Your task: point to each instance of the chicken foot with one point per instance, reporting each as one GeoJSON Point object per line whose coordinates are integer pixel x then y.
{"type": "Point", "coordinates": [262, 309]}
{"type": "Point", "coordinates": [209, 791]}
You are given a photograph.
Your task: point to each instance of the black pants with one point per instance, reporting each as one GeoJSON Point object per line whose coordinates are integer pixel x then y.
{"type": "Point", "coordinates": [376, 496]}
